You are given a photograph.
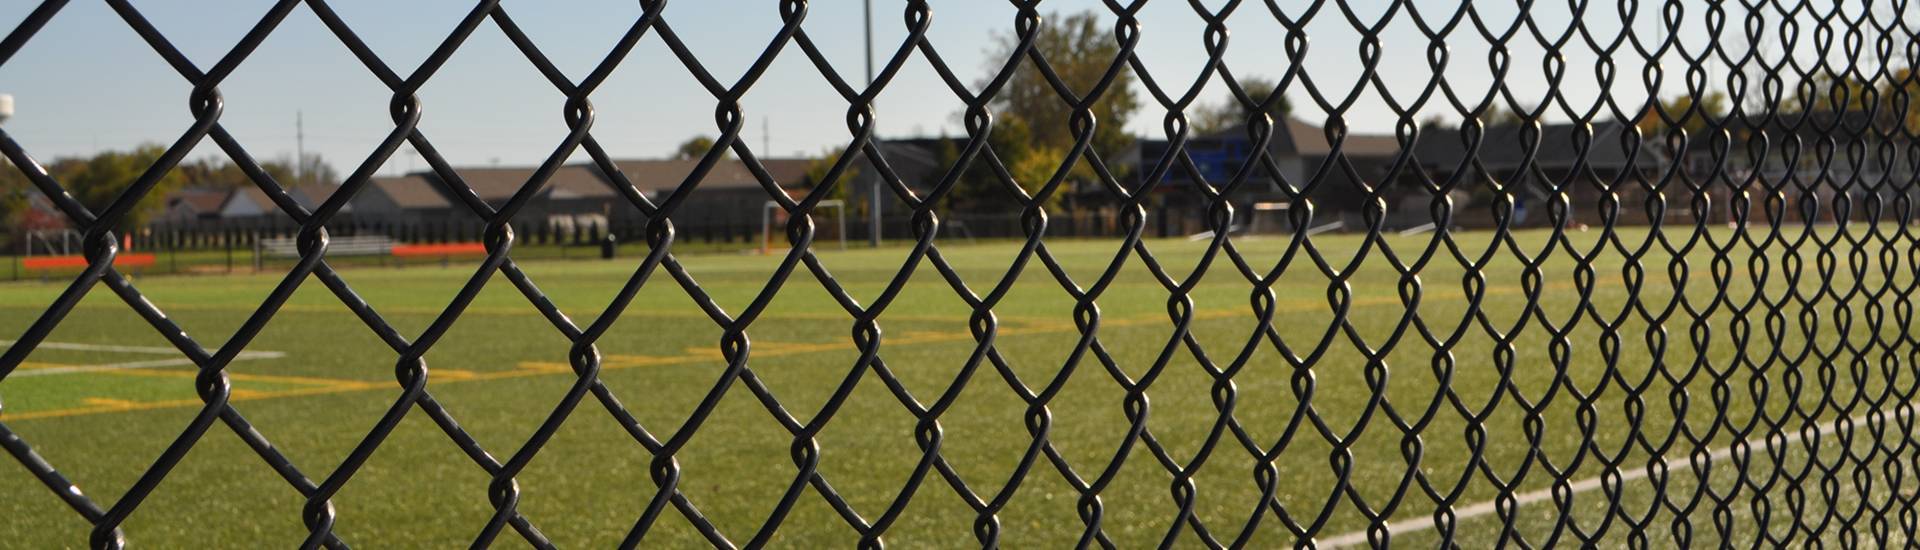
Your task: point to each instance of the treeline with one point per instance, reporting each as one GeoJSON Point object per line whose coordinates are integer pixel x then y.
{"type": "Point", "coordinates": [97, 180]}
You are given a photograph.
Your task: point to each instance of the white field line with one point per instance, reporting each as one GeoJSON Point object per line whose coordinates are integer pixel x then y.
{"type": "Point", "coordinates": [1331, 226]}
{"type": "Point", "coordinates": [148, 364]}
{"type": "Point", "coordinates": [1719, 456]}
{"type": "Point", "coordinates": [100, 347]}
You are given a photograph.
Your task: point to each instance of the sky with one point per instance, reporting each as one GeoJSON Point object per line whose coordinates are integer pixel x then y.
{"type": "Point", "coordinates": [87, 82]}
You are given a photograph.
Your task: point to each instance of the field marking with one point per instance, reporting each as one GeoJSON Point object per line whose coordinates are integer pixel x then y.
{"type": "Point", "coordinates": [1721, 456]}
{"type": "Point", "coordinates": [247, 377]}
{"type": "Point", "coordinates": [620, 362]}
{"type": "Point", "coordinates": [500, 311]}
{"type": "Point", "coordinates": [46, 369]}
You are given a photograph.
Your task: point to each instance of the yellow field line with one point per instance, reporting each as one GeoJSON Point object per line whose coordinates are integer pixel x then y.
{"type": "Point", "coordinates": [246, 377]}
{"type": "Point", "coordinates": [488, 311]}
{"type": "Point", "coordinates": [694, 355]}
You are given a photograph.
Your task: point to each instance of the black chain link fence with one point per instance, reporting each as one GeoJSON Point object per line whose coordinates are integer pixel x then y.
{"type": "Point", "coordinates": [1792, 207]}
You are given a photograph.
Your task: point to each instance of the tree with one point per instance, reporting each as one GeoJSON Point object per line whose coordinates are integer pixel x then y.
{"type": "Point", "coordinates": [313, 170]}
{"type": "Point", "coordinates": [1498, 115]}
{"type": "Point", "coordinates": [1079, 51]}
{"type": "Point", "coordinates": [1033, 170]}
{"type": "Point", "coordinates": [693, 148]}
{"type": "Point", "coordinates": [1824, 93]}
{"type": "Point", "coordinates": [1218, 117]}
{"type": "Point", "coordinates": [1712, 105]}
{"type": "Point", "coordinates": [1902, 95]}
{"type": "Point", "coordinates": [220, 173]}
{"type": "Point", "coordinates": [1437, 123]}
{"type": "Point", "coordinates": [97, 181]}
{"type": "Point", "coordinates": [817, 173]}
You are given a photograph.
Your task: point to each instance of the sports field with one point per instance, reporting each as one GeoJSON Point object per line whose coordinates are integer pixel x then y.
{"type": "Point", "coordinates": [105, 396]}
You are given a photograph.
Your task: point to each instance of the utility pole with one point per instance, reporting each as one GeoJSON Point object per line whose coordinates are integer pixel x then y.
{"type": "Point", "coordinates": [873, 203]}
{"type": "Point", "coordinates": [299, 148]}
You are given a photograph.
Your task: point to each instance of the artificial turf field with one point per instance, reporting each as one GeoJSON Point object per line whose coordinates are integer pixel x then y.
{"type": "Point", "coordinates": [104, 398]}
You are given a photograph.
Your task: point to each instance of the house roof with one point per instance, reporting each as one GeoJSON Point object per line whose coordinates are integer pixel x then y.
{"type": "Point", "coordinates": [260, 200]}
{"type": "Point", "coordinates": [410, 191]}
{"type": "Point", "coordinates": [652, 175]}
{"type": "Point", "coordinates": [312, 195]}
{"type": "Point", "coordinates": [790, 172]}
{"type": "Point", "coordinates": [496, 185]}
{"type": "Point", "coordinates": [200, 200]}
{"type": "Point", "coordinates": [1503, 148]}
{"type": "Point", "coordinates": [1309, 140]}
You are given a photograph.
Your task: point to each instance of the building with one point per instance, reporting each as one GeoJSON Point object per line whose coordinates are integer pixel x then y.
{"type": "Point", "coordinates": [194, 203]}
{"type": "Point", "coordinates": [1336, 177]}
{"type": "Point", "coordinates": [725, 202]}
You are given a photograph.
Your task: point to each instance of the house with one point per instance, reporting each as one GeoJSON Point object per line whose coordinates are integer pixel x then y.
{"type": "Point", "coordinates": [250, 203]}
{"type": "Point", "coordinates": [193, 203]}
{"type": "Point", "coordinates": [726, 201]}
{"type": "Point", "coordinates": [1303, 160]}
{"type": "Point", "coordinates": [1586, 162]}
{"type": "Point", "coordinates": [411, 196]}
{"type": "Point", "coordinates": [1580, 161]}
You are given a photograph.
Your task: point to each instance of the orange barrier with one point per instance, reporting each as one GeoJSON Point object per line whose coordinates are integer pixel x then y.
{"type": "Point", "coordinates": [78, 261]}
{"type": "Point", "coordinates": [447, 249]}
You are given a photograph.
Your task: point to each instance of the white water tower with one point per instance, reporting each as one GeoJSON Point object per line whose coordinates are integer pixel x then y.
{"type": "Point", "coordinates": [6, 107]}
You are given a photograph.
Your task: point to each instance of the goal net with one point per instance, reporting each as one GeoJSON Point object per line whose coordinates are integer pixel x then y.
{"type": "Point", "coordinates": [829, 224]}
{"type": "Point", "coordinates": [53, 242]}
{"type": "Point", "coordinates": [1267, 218]}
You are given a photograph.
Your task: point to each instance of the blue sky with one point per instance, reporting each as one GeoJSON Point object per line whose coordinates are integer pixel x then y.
{"type": "Point", "coordinates": [87, 82]}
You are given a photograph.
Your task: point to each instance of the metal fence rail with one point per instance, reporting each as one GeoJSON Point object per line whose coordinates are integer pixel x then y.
{"type": "Point", "coordinates": [1764, 258]}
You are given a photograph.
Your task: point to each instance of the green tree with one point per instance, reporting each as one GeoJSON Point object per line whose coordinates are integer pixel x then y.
{"type": "Point", "coordinates": [220, 173]}
{"type": "Point", "coordinates": [1218, 117]}
{"type": "Point", "coordinates": [693, 148]}
{"type": "Point", "coordinates": [1034, 169]}
{"type": "Point", "coordinates": [313, 170]}
{"type": "Point", "coordinates": [817, 174]}
{"type": "Point", "coordinates": [1498, 115]}
{"type": "Point", "coordinates": [1079, 50]}
{"type": "Point", "coordinates": [95, 182]}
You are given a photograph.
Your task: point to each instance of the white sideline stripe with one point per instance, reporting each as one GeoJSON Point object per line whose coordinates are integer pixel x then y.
{"type": "Point", "coordinates": [148, 364]}
{"type": "Point", "coordinates": [1325, 228]}
{"type": "Point", "coordinates": [1359, 537]}
{"type": "Point", "coordinates": [1416, 230]}
{"type": "Point", "coordinates": [100, 347]}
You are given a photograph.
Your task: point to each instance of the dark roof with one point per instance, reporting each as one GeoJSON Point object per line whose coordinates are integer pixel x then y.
{"type": "Point", "coordinates": [1306, 139]}
{"type": "Point", "coordinates": [496, 185]}
{"type": "Point", "coordinates": [1502, 148]}
{"type": "Point", "coordinates": [312, 195]}
{"type": "Point", "coordinates": [651, 175]}
{"type": "Point", "coordinates": [259, 198]}
{"type": "Point", "coordinates": [409, 191]}
{"type": "Point", "coordinates": [790, 172]}
{"type": "Point", "coordinates": [204, 201]}
{"type": "Point", "coordinates": [1302, 138]}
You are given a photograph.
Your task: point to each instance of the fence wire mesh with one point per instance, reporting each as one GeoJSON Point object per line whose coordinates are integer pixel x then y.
{"type": "Point", "coordinates": [1707, 338]}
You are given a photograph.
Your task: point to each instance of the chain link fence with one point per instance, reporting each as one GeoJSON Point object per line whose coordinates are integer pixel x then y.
{"type": "Point", "coordinates": [1704, 212]}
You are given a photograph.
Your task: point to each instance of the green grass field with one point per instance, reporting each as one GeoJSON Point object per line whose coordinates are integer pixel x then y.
{"type": "Point", "coordinates": [320, 379]}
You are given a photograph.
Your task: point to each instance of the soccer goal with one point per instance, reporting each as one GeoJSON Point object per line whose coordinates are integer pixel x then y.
{"type": "Point", "coordinates": [1267, 217]}
{"type": "Point", "coordinates": [773, 223]}
{"type": "Point", "coordinates": [53, 242]}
